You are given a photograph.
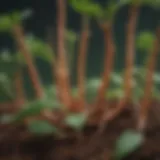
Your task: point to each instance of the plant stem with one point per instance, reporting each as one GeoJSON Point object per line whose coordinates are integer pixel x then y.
{"type": "Point", "coordinates": [82, 59]}
{"type": "Point", "coordinates": [108, 61]}
{"type": "Point", "coordinates": [20, 40]}
{"type": "Point", "coordinates": [130, 50]}
{"type": "Point", "coordinates": [130, 55]}
{"type": "Point", "coordinates": [62, 71]}
{"type": "Point", "coordinates": [149, 82]}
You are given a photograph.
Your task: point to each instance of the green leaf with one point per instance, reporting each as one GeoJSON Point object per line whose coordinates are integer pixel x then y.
{"type": "Point", "coordinates": [6, 56]}
{"type": "Point", "coordinates": [70, 36]}
{"type": "Point", "coordinates": [30, 109]}
{"type": "Point", "coordinates": [127, 143]}
{"type": "Point", "coordinates": [92, 87]}
{"type": "Point", "coordinates": [117, 79]}
{"type": "Point", "coordinates": [50, 91]}
{"type": "Point", "coordinates": [35, 108]}
{"type": "Point", "coordinates": [145, 41]}
{"type": "Point", "coordinates": [110, 10]}
{"type": "Point", "coordinates": [18, 16]}
{"type": "Point", "coordinates": [87, 7]}
{"type": "Point", "coordinates": [156, 78]}
{"type": "Point", "coordinates": [5, 23]}
{"type": "Point", "coordinates": [41, 127]}
{"type": "Point", "coordinates": [76, 121]}
{"type": "Point", "coordinates": [116, 93]}
{"type": "Point", "coordinates": [40, 49]}
{"type": "Point", "coordinates": [93, 83]}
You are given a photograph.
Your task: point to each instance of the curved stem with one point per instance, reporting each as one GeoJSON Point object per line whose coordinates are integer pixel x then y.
{"type": "Point", "coordinates": [62, 71]}
{"type": "Point", "coordinates": [108, 61]}
{"type": "Point", "coordinates": [20, 39]}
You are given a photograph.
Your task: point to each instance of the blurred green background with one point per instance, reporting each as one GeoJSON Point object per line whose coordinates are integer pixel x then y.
{"type": "Point", "coordinates": [44, 20]}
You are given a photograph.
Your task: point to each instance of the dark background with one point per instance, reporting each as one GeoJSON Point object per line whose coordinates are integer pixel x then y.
{"type": "Point", "coordinates": [45, 16]}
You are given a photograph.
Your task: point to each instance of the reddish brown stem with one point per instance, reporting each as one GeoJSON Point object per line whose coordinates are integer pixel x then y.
{"type": "Point", "coordinates": [130, 55]}
{"type": "Point", "coordinates": [82, 60]}
{"type": "Point", "coordinates": [20, 39]}
{"type": "Point", "coordinates": [108, 61]}
{"type": "Point", "coordinates": [62, 71]}
{"type": "Point", "coordinates": [130, 50]}
{"type": "Point", "coordinates": [149, 83]}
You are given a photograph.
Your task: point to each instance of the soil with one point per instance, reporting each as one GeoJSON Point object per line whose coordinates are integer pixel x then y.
{"type": "Point", "coordinates": [17, 144]}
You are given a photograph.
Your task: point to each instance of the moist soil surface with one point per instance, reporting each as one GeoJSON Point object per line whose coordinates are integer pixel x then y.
{"type": "Point", "coordinates": [15, 144]}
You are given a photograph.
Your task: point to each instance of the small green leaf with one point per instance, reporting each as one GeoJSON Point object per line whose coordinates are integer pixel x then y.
{"type": "Point", "coordinates": [145, 41]}
{"type": "Point", "coordinates": [156, 78]}
{"type": "Point", "coordinates": [92, 87]}
{"type": "Point", "coordinates": [110, 10]}
{"type": "Point", "coordinates": [76, 121]}
{"type": "Point", "coordinates": [30, 109]}
{"type": "Point", "coordinates": [50, 91]}
{"type": "Point", "coordinates": [18, 16]}
{"type": "Point", "coordinates": [40, 49]}
{"type": "Point", "coordinates": [87, 7]}
{"type": "Point", "coordinates": [41, 127]}
{"type": "Point", "coordinates": [6, 56]}
{"type": "Point", "coordinates": [35, 107]}
{"type": "Point", "coordinates": [117, 79]}
{"type": "Point", "coordinates": [116, 93]}
{"type": "Point", "coordinates": [5, 23]}
{"type": "Point", "coordinates": [127, 143]}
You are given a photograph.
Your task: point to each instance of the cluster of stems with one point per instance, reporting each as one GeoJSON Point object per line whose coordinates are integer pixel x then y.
{"type": "Point", "coordinates": [61, 66]}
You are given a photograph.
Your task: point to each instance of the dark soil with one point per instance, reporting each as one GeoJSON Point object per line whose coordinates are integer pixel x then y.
{"type": "Point", "coordinates": [16, 144]}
